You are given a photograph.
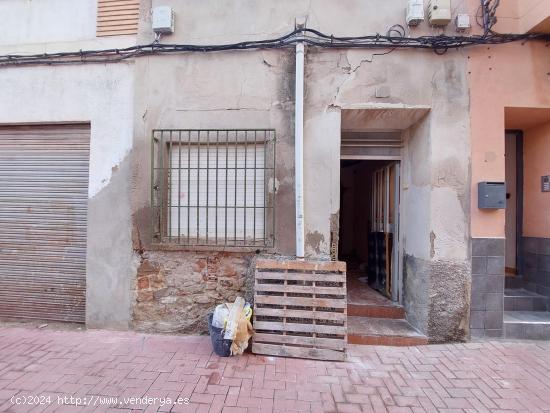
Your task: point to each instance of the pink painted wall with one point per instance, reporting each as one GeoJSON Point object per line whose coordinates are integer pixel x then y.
{"type": "Point", "coordinates": [536, 161]}
{"type": "Point", "coordinates": [520, 16]}
{"type": "Point", "coordinates": [512, 75]}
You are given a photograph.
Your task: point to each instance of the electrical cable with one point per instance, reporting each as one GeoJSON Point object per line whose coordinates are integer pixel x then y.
{"type": "Point", "coordinates": [394, 39]}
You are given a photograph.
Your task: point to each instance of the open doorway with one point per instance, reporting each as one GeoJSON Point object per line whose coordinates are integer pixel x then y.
{"type": "Point", "coordinates": [514, 200]}
{"type": "Point", "coordinates": [369, 218]}
{"type": "Point", "coordinates": [376, 150]}
{"type": "Point", "coordinates": [527, 223]}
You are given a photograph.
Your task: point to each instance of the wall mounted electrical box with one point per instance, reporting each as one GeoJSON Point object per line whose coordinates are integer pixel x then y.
{"type": "Point", "coordinates": [491, 195]}
{"type": "Point", "coordinates": [462, 22]}
{"type": "Point", "coordinates": [163, 20]}
{"type": "Point", "coordinates": [415, 12]}
{"type": "Point", "coordinates": [439, 12]}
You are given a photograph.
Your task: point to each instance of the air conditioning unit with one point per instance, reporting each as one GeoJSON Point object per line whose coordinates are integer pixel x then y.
{"type": "Point", "coordinates": [439, 12]}
{"type": "Point", "coordinates": [415, 12]}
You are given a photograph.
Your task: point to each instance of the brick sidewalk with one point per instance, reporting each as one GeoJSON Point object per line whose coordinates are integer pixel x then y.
{"type": "Point", "coordinates": [482, 377]}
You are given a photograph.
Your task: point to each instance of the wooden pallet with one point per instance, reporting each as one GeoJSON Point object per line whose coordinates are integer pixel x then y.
{"type": "Point", "coordinates": [300, 309]}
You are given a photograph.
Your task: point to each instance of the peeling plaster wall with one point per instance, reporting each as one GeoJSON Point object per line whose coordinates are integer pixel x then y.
{"type": "Point", "coordinates": [436, 164]}
{"type": "Point", "coordinates": [450, 284]}
{"type": "Point", "coordinates": [225, 91]}
{"type": "Point", "coordinates": [415, 228]}
{"type": "Point", "coordinates": [101, 95]}
{"type": "Point", "coordinates": [235, 90]}
{"type": "Point", "coordinates": [254, 89]}
{"type": "Point", "coordinates": [251, 89]}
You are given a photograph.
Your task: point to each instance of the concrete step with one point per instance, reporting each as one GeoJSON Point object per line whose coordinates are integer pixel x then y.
{"type": "Point", "coordinates": [383, 331]}
{"type": "Point", "coordinates": [520, 299]}
{"type": "Point", "coordinates": [363, 301]}
{"type": "Point", "coordinates": [515, 281]}
{"type": "Point", "coordinates": [376, 311]}
{"type": "Point", "coordinates": [534, 325]}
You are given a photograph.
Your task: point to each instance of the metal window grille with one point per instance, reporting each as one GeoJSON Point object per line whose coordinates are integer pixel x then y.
{"type": "Point", "coordinates": [213, 187]}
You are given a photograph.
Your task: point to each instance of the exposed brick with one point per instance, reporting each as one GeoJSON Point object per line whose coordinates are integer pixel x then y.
{"type": "Point", "coordinates": [143, 283]}
{"type": "Point", "coordinates": [145, 296]}
{"type": "Point", "coordinates": [183, 287]}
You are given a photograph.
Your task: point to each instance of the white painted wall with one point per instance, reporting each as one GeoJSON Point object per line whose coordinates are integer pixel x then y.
{"type": "Point", "coordinates": [42, 21]}
{"type": "Point", "coordinates": [103, 96]}
{"type": "Point", "coordinates": [100, 94]}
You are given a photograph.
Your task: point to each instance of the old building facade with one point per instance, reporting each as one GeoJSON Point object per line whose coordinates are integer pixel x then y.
{"type": "Point", "coordinates": [190, 168]}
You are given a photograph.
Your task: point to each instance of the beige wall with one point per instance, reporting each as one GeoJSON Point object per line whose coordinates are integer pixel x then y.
{"type": "Point", "coordinates": [536, 161]}
{"type": "Point", "coordinates": [512, 75]}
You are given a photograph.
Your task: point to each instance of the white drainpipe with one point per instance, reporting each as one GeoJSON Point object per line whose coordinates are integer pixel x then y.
{"type": "Point", "coordinates": [299, 149]}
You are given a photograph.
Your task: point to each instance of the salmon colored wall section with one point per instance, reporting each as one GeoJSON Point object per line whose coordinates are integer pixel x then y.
{"type": "Point", "coordinates": [512, 75]}
{"type": "Point", "coordinates": [536, 161]}
{"type": "Point", "coordinates": [520, 16]}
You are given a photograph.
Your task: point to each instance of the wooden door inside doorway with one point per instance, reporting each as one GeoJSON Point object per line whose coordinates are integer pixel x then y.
{"type": "Point", "coordinates": [383, 262]}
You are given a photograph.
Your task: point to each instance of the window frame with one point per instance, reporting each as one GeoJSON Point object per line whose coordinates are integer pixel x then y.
{"type": "Point", "coordinates": [162, 143]}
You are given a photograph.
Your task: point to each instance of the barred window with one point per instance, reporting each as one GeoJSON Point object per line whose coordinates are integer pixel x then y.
{"type": "Point", "coordinates": [213, 187]}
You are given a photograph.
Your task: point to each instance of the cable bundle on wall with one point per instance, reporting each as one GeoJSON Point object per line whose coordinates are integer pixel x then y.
{"type": "Point", "coordinates": [394, 39]}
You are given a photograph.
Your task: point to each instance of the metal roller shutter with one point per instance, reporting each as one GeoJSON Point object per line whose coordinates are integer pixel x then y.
{"type": "Point", "coordinates": [43, 206]}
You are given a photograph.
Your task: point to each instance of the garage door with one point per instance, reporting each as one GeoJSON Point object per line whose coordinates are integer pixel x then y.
{"type": "Point", "coordinates": [43, 202]}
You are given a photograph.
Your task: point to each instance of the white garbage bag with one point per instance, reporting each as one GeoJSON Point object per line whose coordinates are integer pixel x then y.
{"type": "Point", "coordinates": [221, 313]}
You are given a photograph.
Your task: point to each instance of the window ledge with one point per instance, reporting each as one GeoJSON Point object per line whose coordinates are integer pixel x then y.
{"type": "Point", "coordinates": [213, 248]}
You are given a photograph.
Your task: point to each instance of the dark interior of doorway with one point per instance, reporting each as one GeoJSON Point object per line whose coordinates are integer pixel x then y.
{"type": "Point", "coordinates": [513, 155]}
{"type": "Point", "coordinates": [360, 244]}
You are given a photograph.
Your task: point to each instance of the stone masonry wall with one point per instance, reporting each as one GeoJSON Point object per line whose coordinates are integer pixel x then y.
{"type": "Point", "coordinates": [175, 290]}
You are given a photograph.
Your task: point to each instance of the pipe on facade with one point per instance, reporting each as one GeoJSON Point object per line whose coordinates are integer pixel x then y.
{"type": "Point", "coordinates": [299, 149]}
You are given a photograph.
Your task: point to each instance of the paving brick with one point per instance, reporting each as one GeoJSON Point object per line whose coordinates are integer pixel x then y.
{"type": "Point", "coordinates": [357, 398]}
{"type": "Point", "coordinates": [249, 402]}
{"type": "Point", "coordinates": [202, 398]}
{"type": "Point", "coordinates": [275, 385]}
{"type": "Point", "coordinates": [234, 410]}
{"type": "Point", "coordinates": [310, 396]}
{"type": "Point", "coordinates": [216, 389]}
{"type": "Point", "coordinates": [348, 408]}
{"type": "Point", "coordinates": [484, 376]}
{"type": "Point", "coordinates": [291, 405]}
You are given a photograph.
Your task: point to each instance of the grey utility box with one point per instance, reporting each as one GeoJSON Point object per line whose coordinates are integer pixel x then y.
{"type": "Point", "coordinates": [491, 195]}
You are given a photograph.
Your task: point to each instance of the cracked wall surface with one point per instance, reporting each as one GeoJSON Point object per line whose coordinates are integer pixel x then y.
{"type": "Point", "coordinates": [255, 89]}
{"type": "Point", "coordinates": [101, 95]}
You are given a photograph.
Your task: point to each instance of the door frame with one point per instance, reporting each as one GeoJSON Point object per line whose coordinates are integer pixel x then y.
{"type": "Point", "coordinates": [397, 253]}
{"type": "Point", "coordinates": [519, 198]}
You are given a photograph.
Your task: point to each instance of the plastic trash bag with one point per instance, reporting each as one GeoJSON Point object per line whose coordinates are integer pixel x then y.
{"type": "Point", "coordinates": [220, 316]}
{"type": "Point", "coordinates": [222, 347]}
{"type": "Point", "coordinates": [230, 328]}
